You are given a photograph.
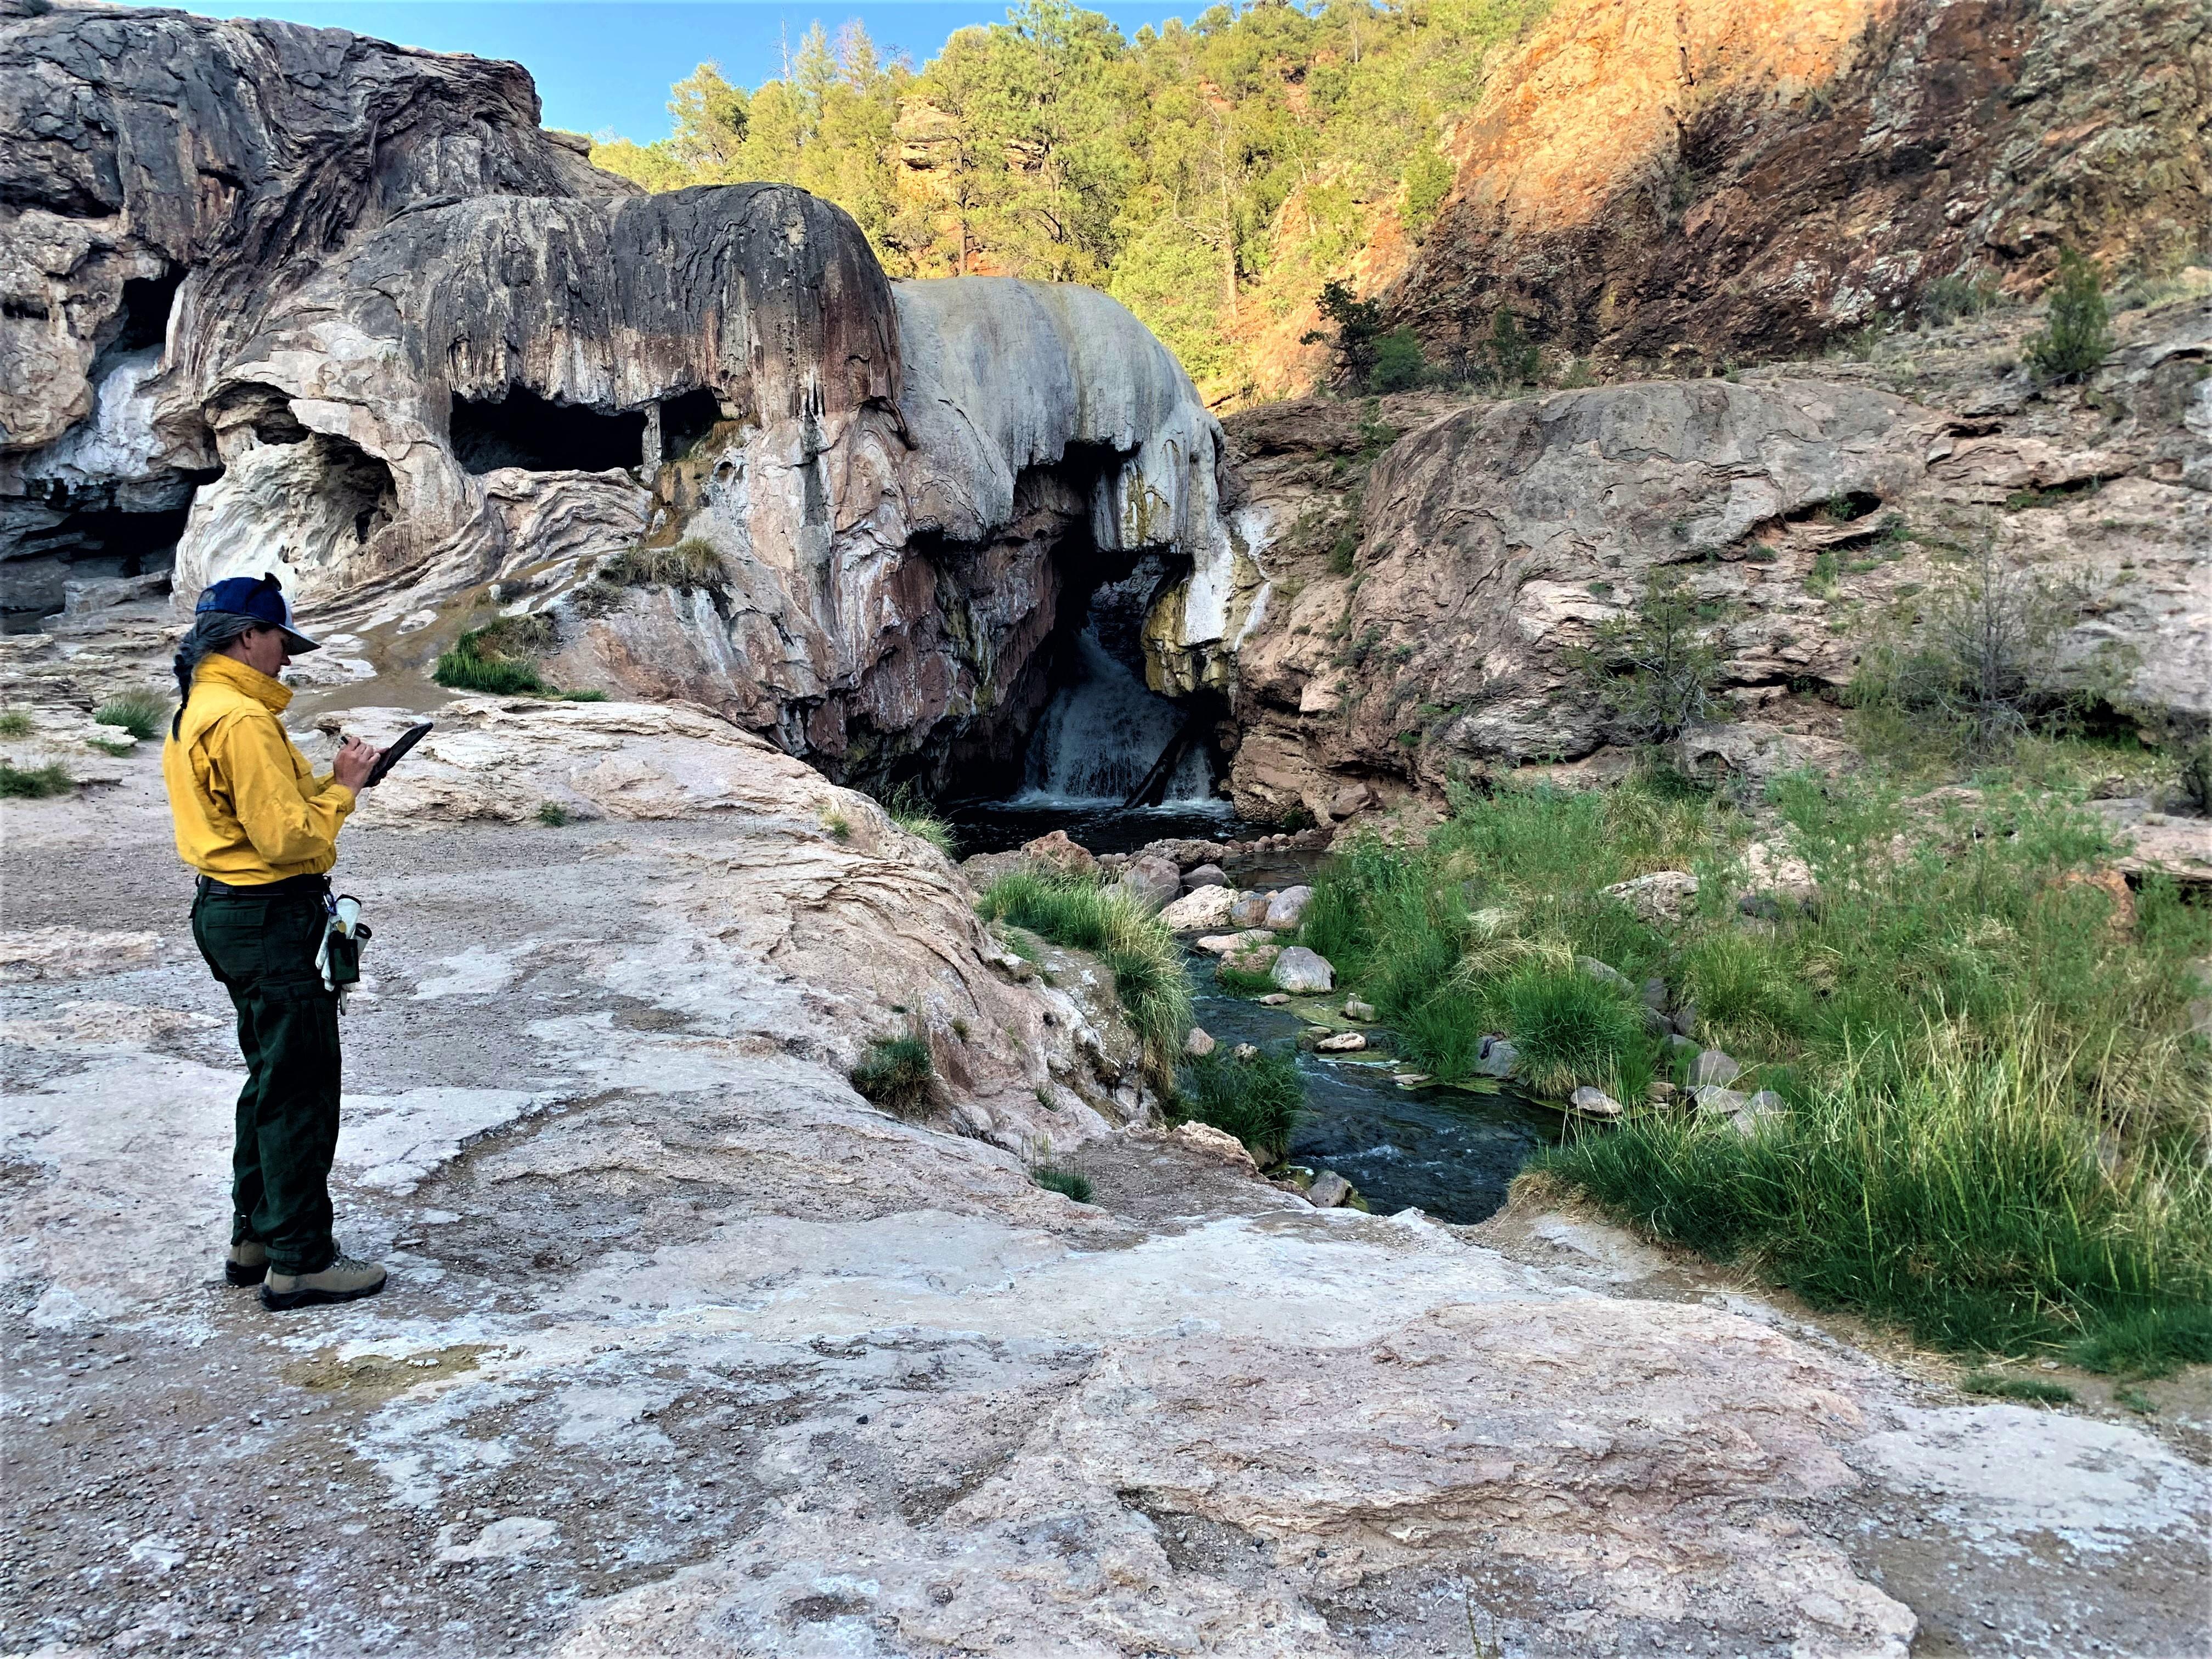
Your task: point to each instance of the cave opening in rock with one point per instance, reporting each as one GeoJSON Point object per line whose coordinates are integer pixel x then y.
{"type": "Point", "coordinates": [685, 419]}
{"type": "Point", "coordinates": [89, 541]}
{"type": "Point", "coordinates": [520, 429]}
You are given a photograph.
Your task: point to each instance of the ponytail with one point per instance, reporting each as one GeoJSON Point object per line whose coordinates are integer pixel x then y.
{"type": "Point", "coordinates": [211, 630]}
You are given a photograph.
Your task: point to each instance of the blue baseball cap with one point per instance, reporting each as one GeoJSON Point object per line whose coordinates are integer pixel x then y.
{"type": "Point", "coordinates": [261, 598]}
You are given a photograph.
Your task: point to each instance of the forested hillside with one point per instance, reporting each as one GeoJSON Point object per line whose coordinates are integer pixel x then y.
{"type": "Point", "coordinates": [1211, 177]}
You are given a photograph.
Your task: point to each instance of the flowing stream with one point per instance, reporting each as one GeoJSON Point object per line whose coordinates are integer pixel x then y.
{"type": "Point", "coordinates": [1448, 1151]}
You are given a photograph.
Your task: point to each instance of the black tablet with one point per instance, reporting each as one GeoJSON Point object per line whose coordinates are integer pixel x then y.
{"type": "Point", "coordinates": [400, 744]}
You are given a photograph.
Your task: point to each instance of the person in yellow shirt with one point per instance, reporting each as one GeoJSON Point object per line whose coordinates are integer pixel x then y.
{"type": "Point", "coordinates": [261, 828]}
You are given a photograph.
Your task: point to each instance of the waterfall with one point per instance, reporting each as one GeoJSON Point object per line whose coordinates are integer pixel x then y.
{"type": "Point", "coordinates": [1101, 734]}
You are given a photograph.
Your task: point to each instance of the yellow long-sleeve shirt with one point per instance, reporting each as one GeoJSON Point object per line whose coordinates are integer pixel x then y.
{"type": "Point", "coordinates": [249, 810]}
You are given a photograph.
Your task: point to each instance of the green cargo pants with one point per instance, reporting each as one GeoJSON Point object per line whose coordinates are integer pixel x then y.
{"type": "Point", "coordinates": [261, 948]}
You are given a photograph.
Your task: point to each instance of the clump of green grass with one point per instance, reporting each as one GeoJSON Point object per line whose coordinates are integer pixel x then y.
{"type": "Point", "coordinates": [836, 826]}
{"type": "Point", "coordinates": [108, 746]}
{"type": "Point", "coordinates": [1140, 953]}
{"type": "Point", "coordinates": [499, 657]}
{"type": "Point", "coordinates": [1570, 1029]}
{"type": "Point", "coordinates": [552, 814]}
{"type": "Point", "coordinates": [911, 810]}
{"type": "Point", "coordinates": [1750, 999]}
{"type": "Point", "coordinates": [1240, 983]}
{"type": "Point", "coordinates": [142, 713]}
{"type": "Point", "coordinates": [34, 783]}
{"type": "Point", "coordinates": [1258, 1100]}
{"type": "Point", "coordinates": [1999, 1386]}
{"type": "Point", "coordinates": [14, 723]}
{"type": "Point", "coordinates": [580, 696]}
{"type": "Point", "coordinates": [691, 564]}
{"type": "Point", "coordinates": [1072, 1183]}
{"type": "Point", "coordinates": [896, 1073]}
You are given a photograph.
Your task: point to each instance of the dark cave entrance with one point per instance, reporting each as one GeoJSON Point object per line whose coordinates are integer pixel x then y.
{"type": "Point", "coordinates": [58, 541]}
{"type": "Point", "coordinates": [520, 429]}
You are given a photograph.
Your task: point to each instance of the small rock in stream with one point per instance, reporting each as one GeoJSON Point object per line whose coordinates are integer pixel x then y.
{"type": "Point", "coordinates": [1329, 1189]}
{"type": "Point", "coordinates": [1200, 1043]}
{"type": "Point", "coordinates": [1595, 1102]}
{"type": "Point", "coordinates": [1250, 910]}
{"type": "Point", "coordinates": [1206, 875]}
{"type": "Point", "coordinates": [1344, 1043]}
{"type": "Point", "coordinates": [1274, 1000]}
{"type": "Point", "coordinates": [1301, 971]}
{"type": "Point", "coordinates": [1287, 909]}
{"type": "Point", "coordinates": [1498, 1058]}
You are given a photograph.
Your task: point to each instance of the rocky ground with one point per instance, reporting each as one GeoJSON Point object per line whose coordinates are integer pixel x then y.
{"type": "Point", "coordinates": [690, 1351]}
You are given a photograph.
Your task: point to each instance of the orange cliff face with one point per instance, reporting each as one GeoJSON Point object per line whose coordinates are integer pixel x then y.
{"type": "Point", "coordinates": [1670, 183]}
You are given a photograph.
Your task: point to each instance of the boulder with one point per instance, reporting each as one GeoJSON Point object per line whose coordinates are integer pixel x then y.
{"type": "Point", "coordinates": [1216, 1145]}
{"type": "Point", "coordinates": [1274, 1000]}
{"type": "Point", "coordinates": [1328, 1190]}
{"type": "Point", "coordinates": [1202, 907]}
{"type": "Point", "coordinates": [1250, 910]}
{"type": "Point", "coordinates": [1777, 873]}
{"type": "Point", "coordinates": [1302, 972]}
{"type": "Point", "coordinates": [1227, 945]}
{"type": "Point", "coordinates": [1714, 1101]}
{"type": "Point", "coordinates": [1355, 1009]}
{"type": "Point", "coordinates": [1498, 1058]}
{"type": "Point", "coordinates": [1244, 1052]}
{"type": "Point", "coordinates": [1664, 896]}
{"type": "Point", "coordinates": [1063, 857]}
{"type": "Point", "coordinates": [1198, 1043]}
{"type": "Point", "coordinates": [1761, 1108]}
{"type": "Point", "coordinates": [1753, 752]}
{"type": "Point", "coordinates": [1654, 995]}
{"type": "Point", "coordinates": [1712, 1065]}
{"type": "Point", "coordinates": [1206, 875]}
{"type": "Point", "coordinates": [1151, 880]}
{"type": "Point", "coordinates": [1342, 1043]}
{"type": "Point", "coordinates": [1594, 1103]}
{"type": "Point", "coordinates": [1254, 959]}
{"type": "Point", "coordinates": [1287, 909]}
{"type": "Point", "coordinates": [1605, 976]}
{"type": "Point", "coordinates": [1662, 1092]}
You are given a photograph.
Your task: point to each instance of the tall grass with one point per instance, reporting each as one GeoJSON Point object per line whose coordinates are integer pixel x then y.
{"type": "Point", "coordinates": [1954, 1188]}
{"type": "Point", "coordinates": [1107, 921]}
{"type": "Point", "coordinates": [913, 812]}
{"type": "Point", "coordinates": [1258, 1099]}
{"type": "Point", "coordinates": [495, 659]}
{"type": "Point", "coordinates": [895, 1073]}
{"type": "Point", "coordinates": [1999, 1116]}
{"type": "Point", "coordinates": [34, 783]}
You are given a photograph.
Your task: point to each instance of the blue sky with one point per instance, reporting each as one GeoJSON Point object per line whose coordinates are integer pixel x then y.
{"type": "Point", "coordinates": [605, 65]}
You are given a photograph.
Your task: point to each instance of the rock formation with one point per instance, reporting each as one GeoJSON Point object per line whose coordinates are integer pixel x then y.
{"type": "Point", "coordinates": [1426, 599]}
{"type": "Point", "coordinates": [385, 336]}
{"type": "Point", "coordinates": [1779, 171]}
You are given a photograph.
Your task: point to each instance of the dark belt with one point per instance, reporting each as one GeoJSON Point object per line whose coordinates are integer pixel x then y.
{"type": "Point", "coordinates": [290, 887]}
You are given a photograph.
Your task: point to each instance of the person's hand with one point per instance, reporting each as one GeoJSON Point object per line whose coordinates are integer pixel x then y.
{"type": "Point", "coordinates": [356, 761]}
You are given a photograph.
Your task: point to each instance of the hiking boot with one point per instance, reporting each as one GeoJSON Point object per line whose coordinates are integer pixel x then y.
{"type": "Point", "coordinates": [247, 1262]}
{"type": "Point", "coordinates": [345, 1279]}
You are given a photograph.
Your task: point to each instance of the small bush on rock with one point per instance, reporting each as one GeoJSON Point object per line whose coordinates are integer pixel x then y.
{"type": "Point", "coordinates": [2077, 332]}
{"type": "Point", "coordinates": [142, 713]}
{"type": "Point", "coordinates": [690, 565]}
{"type": "Point", "coordinates": [1572, 1029]}
{"type": "Point", "coordinates": [1071, 1183]}
{"type": "Point", "coordinates": [896, 1073]}
{"type": "Point", "coordinates": [498, 658]}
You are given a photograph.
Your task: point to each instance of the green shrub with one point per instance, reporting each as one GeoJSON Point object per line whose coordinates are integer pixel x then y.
{"type": "Point", "coordinates": [2076, 333]}
{"type": "Point", "coordinates": [1140, 953]}
{"type": "Point", "coordinates": [896, 1073]}
{"type": "Point", "coordinates": [115, 748]}
{"type": "Point", "coordinates": [580, 696]}
{"type": "Point", "coordinates": [1570, 1029]}
{"type": "Point", "coordinates": [552, 814]}
{"type": "Point", "coordinates": [1750, 997]}
{"type": "Point", "coordinates": [837, 826]}
{"type": "Point", "coordinates": [1258, 1100]}
{"type": "Point", "coordinates": [1239, 983]}
{"type": "Point", "coordinates": [1944, 301]}
{"type": "Point", "coordinates": [142, 713]}
{"type": "Point", "coordinates": [691, 564]}
{"type": "Point", "coordinates": [17, 783]}
{"type": "Point", "coordinates": [1073, 1183]}
{"type": "Point", "coordinates": [1399, 365]}
{"type": "Point", "coordinates": [14, 723]}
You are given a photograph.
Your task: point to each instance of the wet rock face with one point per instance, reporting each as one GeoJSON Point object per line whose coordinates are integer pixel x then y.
{"type": "Point", "coordinates": [1778, 172]}
{"type": "Point", "coordinates": [363, 323]}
